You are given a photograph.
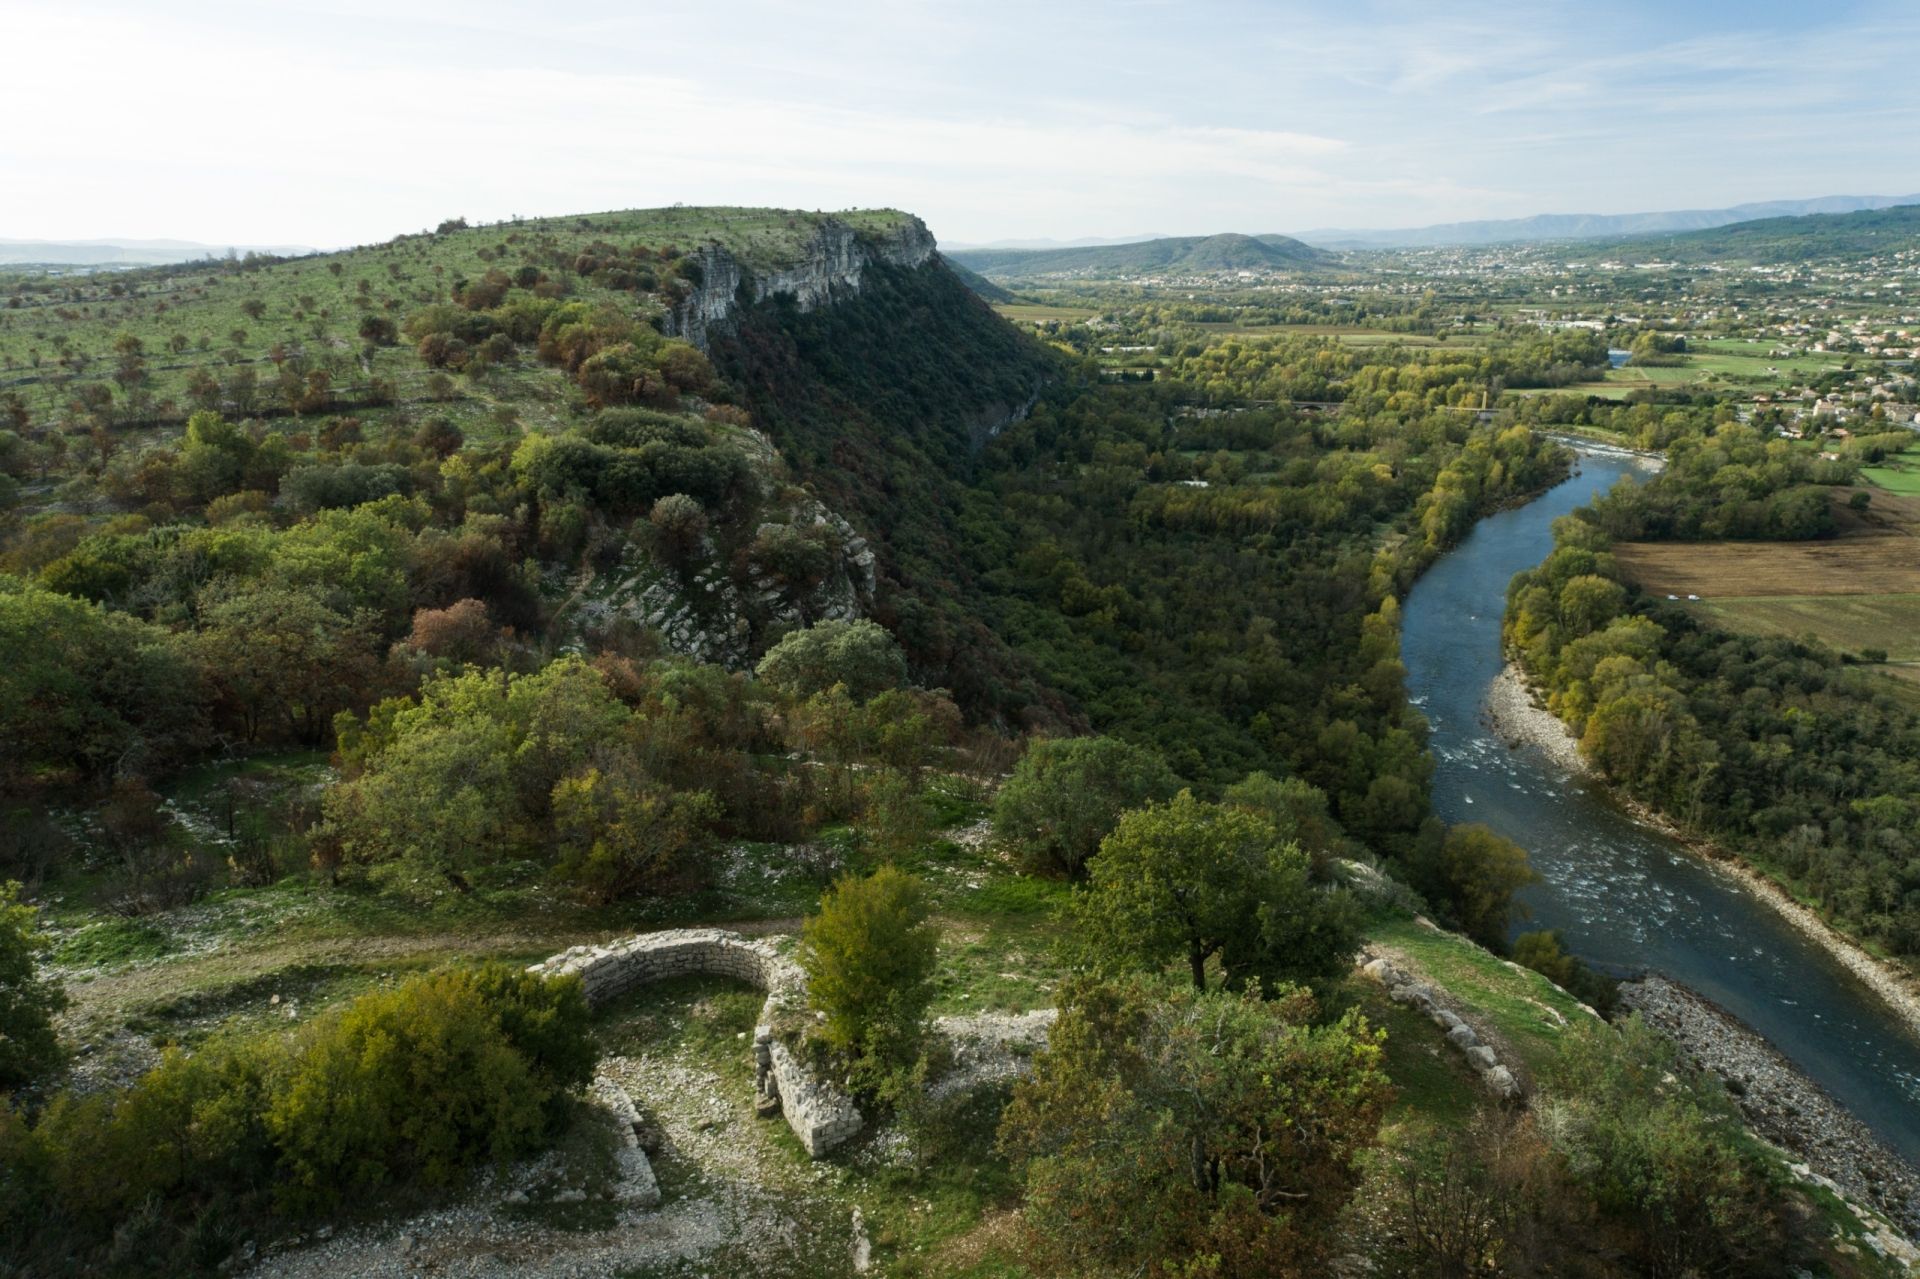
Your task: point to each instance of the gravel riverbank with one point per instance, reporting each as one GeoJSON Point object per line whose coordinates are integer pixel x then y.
{"type": "Point", "coordinates": [1781, 1104]}
{"type": "Point", "coordinates": [1517, 719]}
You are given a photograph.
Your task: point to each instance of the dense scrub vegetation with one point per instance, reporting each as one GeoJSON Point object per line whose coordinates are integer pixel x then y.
{"type": "Point", "coordinates": [398, 1089]}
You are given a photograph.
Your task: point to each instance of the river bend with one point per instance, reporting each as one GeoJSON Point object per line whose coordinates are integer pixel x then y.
{"type": "Point", "coordinates": [1627, 896]}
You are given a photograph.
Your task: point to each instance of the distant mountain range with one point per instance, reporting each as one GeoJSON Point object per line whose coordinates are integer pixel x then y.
{"type": "Point", "coordinates": [128, 252]}
{"type": "Point", "coordinates": [1183, 253]}
{"type": "Point", "coordinates": [1594, 226]}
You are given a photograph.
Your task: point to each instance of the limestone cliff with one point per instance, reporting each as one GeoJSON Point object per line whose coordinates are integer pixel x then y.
{"type": "Point", "coordinates": [830, 266]}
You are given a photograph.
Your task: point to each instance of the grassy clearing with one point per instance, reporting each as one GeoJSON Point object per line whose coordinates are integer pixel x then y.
{"type": "Point", "coordinates": [1900, 474]}
{"type": "Point", "coordinates": [1436, 1086]}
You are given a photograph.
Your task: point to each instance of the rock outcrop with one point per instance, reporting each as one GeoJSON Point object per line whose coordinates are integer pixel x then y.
{"type": "Point", "coordinates": [831, 266]}
{"type": "Point", "coordinates": [711, 617]}
{"type": "Point", "coordinates": [820, 1115]}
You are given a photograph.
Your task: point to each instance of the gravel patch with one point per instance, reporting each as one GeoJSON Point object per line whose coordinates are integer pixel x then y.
{"type": "Point", "coordinates": [990, 1047]}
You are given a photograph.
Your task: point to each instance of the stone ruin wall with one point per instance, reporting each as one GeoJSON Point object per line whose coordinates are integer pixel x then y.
{"type": "Point", "coordinates": [820, 1115]}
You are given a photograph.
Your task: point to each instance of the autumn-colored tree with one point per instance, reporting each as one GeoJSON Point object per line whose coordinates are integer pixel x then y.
{"type": "Point", "coordinates": [462, 633]}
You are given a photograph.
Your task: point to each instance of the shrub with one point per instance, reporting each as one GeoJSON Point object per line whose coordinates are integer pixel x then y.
{"type": "Point", "coordinates": [1543, 952]}
{"type": "Point", "coordinates": [189, 1130]}
{"type": "Point", "coordinates": [29, 1048]}
{"type": "Point", "coordinates": [418, 1082]}
{"type": "Point", "coordinates": [1157, 1131]}
{"type": "Point", "coordinates": [1663, 1155]}
{"type": "Point", "coordinates": [869, 958]}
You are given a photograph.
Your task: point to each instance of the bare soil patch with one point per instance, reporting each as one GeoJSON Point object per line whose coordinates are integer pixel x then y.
{"type": "Point", "coordinates": [1883, 562]}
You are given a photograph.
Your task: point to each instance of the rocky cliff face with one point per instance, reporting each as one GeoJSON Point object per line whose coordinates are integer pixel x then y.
{"type": "Point", "coordinates": [830, 267]}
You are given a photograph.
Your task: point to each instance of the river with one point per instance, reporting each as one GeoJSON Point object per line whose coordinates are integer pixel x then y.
{"type": "Point", "coordinates": [1626, 896]}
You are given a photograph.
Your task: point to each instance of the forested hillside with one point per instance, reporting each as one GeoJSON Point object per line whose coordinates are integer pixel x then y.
{"type": "Point", "coordinates": [1829, 237]}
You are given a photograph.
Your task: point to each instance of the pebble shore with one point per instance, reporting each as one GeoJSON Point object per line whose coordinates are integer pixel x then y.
{"type": "Point", "coordinates": [1780, 1103]}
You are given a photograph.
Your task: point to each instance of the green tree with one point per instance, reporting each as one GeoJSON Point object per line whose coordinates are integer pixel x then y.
{"type": "Point", "coordinates": [1217, 1133]}
{"type": "Point", "coordinates": [679, 528]}
{"type": "Point", "coordinates": [1065, 795]}
{"type": "Point", "coordinates": [1186, 881]}
{"type": "Point", "coordinates": [29, 1048]}
{"type": "Point", "coordinates": [859, 654]}
{"type": "Point", "coordinates": [1471, 876]}
{"type": "Point", "coordinates": [467, 774]}
{"type": "Point", "coordinates": [440, 800]}
{"type": "Point", "coordinates": [88, 690]}
{"type": "Point", "coordinates": [281, 662]}
{"type": "Point", "coordinates": [621, 834]}
{"type": "Point", "coordinates": [1299, 812]}
{"type": "Point", "coordinates": [869, 956]}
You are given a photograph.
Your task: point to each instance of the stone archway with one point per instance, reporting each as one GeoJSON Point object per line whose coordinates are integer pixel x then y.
{"type": "Point", "coordinates": [820, 1115]}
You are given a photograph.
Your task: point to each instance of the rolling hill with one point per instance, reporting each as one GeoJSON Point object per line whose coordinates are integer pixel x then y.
{"type": "Point", "coordinates": [1766, 241]}
{"type": "Point", "coordinates": [1192, 254]}
{"type": "Point", "coordinates": [1594, 226]}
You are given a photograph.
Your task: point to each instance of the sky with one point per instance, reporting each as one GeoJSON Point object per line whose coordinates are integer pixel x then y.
{"type": "Point", "coordinates": [335, 122]}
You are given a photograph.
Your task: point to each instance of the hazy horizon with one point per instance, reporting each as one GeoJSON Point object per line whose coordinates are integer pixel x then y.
{"type": "Point", "coordinates": [344, 121]}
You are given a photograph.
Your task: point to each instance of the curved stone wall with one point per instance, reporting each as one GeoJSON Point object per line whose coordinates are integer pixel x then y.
{"type": "Point", "coordinates": [820, 1115]}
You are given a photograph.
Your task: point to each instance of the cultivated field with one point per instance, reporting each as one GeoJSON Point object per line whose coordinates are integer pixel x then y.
{"type": "Point", "coordinates": [1890, 623]}
{"type": "Point", "coordinates": [1036, 312]}
{"type": "Point", "coordinates": [1857, 591]}
{"type": "Point", "coordinates": [1876, 552]}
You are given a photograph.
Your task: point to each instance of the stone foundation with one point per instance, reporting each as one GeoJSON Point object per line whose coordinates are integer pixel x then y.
{"type": "Point", "coordinates": [820, 1115]}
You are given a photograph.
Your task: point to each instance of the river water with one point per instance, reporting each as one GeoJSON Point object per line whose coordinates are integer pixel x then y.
{"type": "Point", "coordinates": [1626, 896]}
